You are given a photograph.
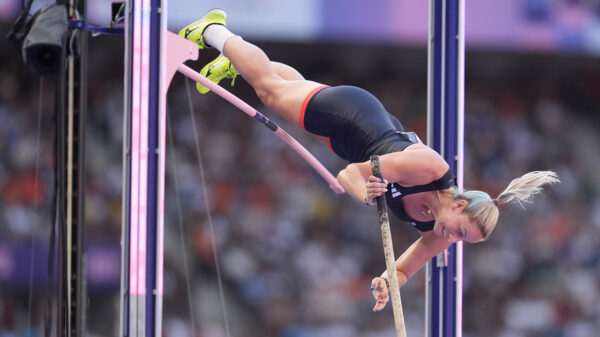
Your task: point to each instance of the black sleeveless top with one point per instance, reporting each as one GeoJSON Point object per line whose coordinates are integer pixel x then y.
{"type": "Point", "coordinates": [396, 192]}
{"type": "Point", "coordinates": [358, 126]}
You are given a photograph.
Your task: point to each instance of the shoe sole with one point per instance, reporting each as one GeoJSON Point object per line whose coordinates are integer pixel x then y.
{"type": "Point", "coordinates": [186, 31]}
{"type": "Point", "coordinates": [206, 73]}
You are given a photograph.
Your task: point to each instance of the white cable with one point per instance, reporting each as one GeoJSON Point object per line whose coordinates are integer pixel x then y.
{"type": "Point", "coordinates": [35, 202]}
{"type": "Point", "coordinates": [180, 221]}
{"type": "Point", "coordinates": [208, 212]}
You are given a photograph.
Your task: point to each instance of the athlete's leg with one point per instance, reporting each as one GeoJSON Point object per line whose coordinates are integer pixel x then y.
{"type": "Point", "coordinates": [291, 74]}
{"type": "Point", "coordinates": [280, 87]}
{"type": "Point", "coordinates": [282, 94]}
{"type": "Point", "coordinates": [286, 72]}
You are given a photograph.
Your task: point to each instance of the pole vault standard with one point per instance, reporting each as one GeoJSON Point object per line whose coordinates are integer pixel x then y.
{"type": "Point", "coordinates": [445, 134]}
{"type": "Point", "coordinates": [143, 169]}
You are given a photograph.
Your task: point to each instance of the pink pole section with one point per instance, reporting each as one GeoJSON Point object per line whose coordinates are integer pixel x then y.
{"type": "Point", "coordinates": [136, 284]}
{"type": "Point", "coordinates": [333, 183]}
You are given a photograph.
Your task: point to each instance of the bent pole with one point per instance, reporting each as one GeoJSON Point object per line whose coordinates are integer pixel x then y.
{"type": "Point", "coordinates": [291, 141]}
{"type": "Point", "coordinates": [388, 250]}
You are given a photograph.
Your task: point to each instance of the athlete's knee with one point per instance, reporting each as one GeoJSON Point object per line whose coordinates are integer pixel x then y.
{"type": "Point", "coordinates": [286, 72]}
{"type": "Point", "coordinates": [268, 97]}
{"type": "Point", "coordinates": [267, 91]}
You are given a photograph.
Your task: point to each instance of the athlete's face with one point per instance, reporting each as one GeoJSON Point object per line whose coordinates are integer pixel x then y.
{"type": "Point", "coordinates": [453, 223]}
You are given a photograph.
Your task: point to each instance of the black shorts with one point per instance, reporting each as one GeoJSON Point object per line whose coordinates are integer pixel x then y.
{"type": "Point", "coordinates": [355, 122]}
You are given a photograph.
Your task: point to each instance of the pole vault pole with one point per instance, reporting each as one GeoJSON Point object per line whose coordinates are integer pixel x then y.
{"type": "Point", "coordinates": [390, 258]}
{"type": "Point", "coordinates": [445, 134]}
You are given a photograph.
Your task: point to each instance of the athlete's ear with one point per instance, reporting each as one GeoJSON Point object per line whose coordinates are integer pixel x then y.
{"type": "Point", "coordinates": [460, 204]}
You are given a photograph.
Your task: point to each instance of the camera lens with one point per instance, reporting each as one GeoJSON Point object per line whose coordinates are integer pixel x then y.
{"type": "Point", "coordinates": [47, 56]}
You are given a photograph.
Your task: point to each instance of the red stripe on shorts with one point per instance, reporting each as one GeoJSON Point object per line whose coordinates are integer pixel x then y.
{"type": "Point", "coordinates": [305, 103]}
{"type": "Point", "coordinates": [329, 144]}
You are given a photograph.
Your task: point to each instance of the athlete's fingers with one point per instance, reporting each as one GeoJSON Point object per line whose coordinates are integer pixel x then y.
{"type": "Point", "coordinates": [374, 179]}
{"type": "Point", "coordinates": [380, 304]}
{"type": "Point", "coordinates": [376, 186]}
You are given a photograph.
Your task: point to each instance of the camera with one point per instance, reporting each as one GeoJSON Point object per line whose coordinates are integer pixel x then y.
{"type": "Point", "coordinates": [43, 42]}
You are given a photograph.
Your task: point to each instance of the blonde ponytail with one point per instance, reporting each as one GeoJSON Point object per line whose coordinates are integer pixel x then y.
{"type": "Point", "coordinates": [523, 189]}
{"type": "Point", "coordinates": [484, 210]}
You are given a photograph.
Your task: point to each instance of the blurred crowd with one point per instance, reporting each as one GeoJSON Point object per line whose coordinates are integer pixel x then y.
{"type": "Point", "coordinates": [255, 242]}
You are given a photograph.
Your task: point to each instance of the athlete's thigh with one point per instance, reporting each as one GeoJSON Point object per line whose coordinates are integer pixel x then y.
{"type": "Point", "coordinates": [289, 97]}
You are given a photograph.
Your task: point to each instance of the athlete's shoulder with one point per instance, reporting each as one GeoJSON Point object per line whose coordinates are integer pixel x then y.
{"type": "Point", "coordinates": [418, 164]}
{"type": "Point", "coordinates": [425, 152]}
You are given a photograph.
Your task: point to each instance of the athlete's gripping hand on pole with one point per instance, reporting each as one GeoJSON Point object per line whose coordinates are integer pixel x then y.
{"type": "Point", "coordinates": [375, 188]}
{"type": "Point", "coordinates": [379, 287]}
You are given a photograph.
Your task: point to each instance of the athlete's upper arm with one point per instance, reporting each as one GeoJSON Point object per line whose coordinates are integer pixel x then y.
{"type": "Point", "coordinates": [410, 167]}
{"type": "Point", "coordinates": [421, 251]}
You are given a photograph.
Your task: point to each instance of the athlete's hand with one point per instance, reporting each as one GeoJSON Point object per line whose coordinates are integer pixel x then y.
{"type": "Point", "coordinates": [375, 187]}
{"type": "Point", "coordinates": [380, 293]}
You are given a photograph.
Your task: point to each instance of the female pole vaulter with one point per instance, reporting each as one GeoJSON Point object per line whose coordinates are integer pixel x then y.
{"type": "Point", "coordinates": [417, 182]}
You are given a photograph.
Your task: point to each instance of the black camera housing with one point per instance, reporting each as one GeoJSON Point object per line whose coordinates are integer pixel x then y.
{"type": "Point", "coordinates": [43, 43]}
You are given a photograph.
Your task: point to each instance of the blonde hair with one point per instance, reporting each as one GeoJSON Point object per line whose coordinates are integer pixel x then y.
{"type": "Point", "coordinates": [484, 210]}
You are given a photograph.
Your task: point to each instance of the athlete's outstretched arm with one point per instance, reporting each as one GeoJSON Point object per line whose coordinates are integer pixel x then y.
{"type": "Point", "coordinates": [415, 257]}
